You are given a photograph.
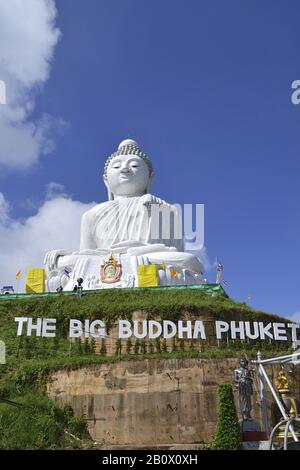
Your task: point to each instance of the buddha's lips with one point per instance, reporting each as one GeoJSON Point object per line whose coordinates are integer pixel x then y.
{"type": "Point", "coordinates": [125, 177]}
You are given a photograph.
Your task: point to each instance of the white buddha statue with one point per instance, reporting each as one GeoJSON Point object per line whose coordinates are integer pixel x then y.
{"type": "Point", "coordinates": [127, 229]}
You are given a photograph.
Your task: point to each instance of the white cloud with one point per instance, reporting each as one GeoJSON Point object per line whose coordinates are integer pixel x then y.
{"type": "Point", "coordinates": [4, 210]}
{"type": "Point", "coordinates": [54, 190]}
{"type": "Point", "coordinates": [28, 37]}
{"type": "Point", "coordinates": [23, 244]}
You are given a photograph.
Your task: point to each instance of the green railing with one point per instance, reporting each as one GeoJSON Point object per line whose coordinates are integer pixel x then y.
{"type": "Point", "coordinates": [208, 288]}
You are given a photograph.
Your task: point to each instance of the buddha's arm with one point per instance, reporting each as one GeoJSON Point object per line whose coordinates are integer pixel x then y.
{"type": "Point", "coordinates": [51, 258]}
{"type": "Point", "coordinates": [87, 241]}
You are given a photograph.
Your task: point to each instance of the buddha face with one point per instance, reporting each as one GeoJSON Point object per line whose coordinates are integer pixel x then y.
{"type": "Point", "coordinates": [127, 175]}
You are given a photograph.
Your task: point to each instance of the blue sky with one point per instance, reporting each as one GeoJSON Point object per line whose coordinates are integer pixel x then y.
{"type": "Point", "coordinates": [205, 88]}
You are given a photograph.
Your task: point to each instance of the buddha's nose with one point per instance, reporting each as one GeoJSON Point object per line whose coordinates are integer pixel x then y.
{"type": "Point", "coordinates": [124, 169]}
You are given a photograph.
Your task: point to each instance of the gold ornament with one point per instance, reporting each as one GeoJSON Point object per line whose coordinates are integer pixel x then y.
{"type": "Point", "coordinates": [110, 270]}
{"type": "Point", "coordinates": [282, 383]}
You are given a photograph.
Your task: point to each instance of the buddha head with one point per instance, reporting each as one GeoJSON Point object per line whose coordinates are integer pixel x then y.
{"type": "Point", "coordinates": [128, 172]}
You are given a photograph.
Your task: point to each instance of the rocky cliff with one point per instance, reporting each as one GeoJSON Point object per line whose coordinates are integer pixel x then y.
{"type": "Point", "coordinates": [148, 402]}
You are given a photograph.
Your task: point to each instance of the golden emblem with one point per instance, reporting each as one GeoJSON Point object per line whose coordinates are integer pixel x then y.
{"type": "Point", "coordinates": [110, 270]}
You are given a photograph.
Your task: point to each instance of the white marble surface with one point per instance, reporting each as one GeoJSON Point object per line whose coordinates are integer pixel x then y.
{"type": "Point", "coordinates": [126, 226]}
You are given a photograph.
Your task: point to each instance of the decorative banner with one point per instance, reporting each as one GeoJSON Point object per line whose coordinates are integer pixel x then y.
{"type": "Point", "coordinates": [147, 275]}
{"type": "Point", "coordinates": [35, 280]}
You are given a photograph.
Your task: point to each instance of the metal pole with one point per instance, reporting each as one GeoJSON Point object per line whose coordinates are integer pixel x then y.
{"type": "Point", "coordinates": [262, 397]}
{"type": "Point", "coordinates": [273, 432]}
{"type": "Point", "coordinates": [279, 404]}
{"type": "Point", "coordinates": [274, 360]}
{"type": "Point", "coordinates": [11, 403]}
{"type": "Point", "coordinates": [286, 432]}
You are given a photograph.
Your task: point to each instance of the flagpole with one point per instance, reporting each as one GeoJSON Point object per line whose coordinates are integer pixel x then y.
{"type": "Point", "coordinates": [219, 272]}
{"type": "Point", "coordinates": [18, 276]}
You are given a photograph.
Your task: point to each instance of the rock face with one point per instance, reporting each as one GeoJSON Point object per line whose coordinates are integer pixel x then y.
{"type": "Point", "coordinates": [147, 402]}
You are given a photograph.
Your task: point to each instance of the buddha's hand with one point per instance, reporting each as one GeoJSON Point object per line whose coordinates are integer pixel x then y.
{"type": "Point", "coordinates": [148, 199]}
{"type": "Point", "coordinates": [51, 257]}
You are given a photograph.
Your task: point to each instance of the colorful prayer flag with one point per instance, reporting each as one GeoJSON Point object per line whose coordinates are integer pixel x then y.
{"type": "Point", "coordinates": [220, 266]}
{"type": "Point", "coordinates": [67, 272]}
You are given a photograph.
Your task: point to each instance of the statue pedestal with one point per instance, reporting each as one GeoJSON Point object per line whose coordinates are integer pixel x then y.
{"type": "Point", "coordinates": [88, 267]}
{"type": "Point", "coordinates": [92, 268]}
{"type": "Point", "coordinates": [252, 436]}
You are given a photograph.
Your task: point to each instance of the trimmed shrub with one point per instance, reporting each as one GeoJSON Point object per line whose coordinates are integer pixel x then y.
{"type": "Point", "coordinates": [118, 347]}
{"type": "Point", "coordinates": [151, 347]}
{"type": "Point", "coordinates": [128, 346]}
{"type": "Point", "coordinates": [143, 347]}
{"type": "Point", "coordinates": [103, 350]}
{"type": "Point", "coordinates": [228, 432]}
{"type": "Point", "coordinates": [137, 345]}
{"type": "Point", "coordinates": [158, 345]}
{"type": "Point", "coordinates": [86, 347]}
{"type": "Point", "coordinates": [93, 345]}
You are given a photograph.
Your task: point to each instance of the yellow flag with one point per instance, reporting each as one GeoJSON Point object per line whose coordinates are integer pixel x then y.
{"type": "Point", "coordinates": [35, 280]}
{"type": "Point", "coordinates": [147, 275]}
{"type": "Point", "coordinates": [18, 275]}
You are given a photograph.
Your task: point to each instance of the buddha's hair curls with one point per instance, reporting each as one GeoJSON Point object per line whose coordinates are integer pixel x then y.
{"type": "Point", "coordinates": [129, 150]}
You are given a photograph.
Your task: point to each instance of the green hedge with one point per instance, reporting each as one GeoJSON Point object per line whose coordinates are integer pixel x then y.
{"type": "Point", "coordinates": [228, 431]}
{"type": "Point", "coordinates": [109, 306]}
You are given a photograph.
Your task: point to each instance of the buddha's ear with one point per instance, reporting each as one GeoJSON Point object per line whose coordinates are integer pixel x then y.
{"type": "Point", "coordinates": [109, 193]}
{"type": "Point", "coordinates": [148, 190]}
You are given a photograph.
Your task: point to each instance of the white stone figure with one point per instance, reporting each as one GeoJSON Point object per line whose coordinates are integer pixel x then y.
{"type": "Point", "coordinates": [124, 226]}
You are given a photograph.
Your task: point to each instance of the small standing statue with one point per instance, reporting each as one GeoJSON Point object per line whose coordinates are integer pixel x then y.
{"type": "Point", "coordinates": [244, 383]}
{"type": "Point", "coordinates": [282, 383]}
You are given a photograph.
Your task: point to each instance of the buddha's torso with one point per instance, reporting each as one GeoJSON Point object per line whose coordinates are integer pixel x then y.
{"type": "Point", "coordinates": [120, 221]}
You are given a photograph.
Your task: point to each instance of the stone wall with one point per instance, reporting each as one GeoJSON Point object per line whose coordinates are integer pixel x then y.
{"type": "Point", "coordinates": [148, 402]}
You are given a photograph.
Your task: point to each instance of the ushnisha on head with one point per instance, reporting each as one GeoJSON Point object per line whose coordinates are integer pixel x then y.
{"type": "Point", "coordinates": [128, 172]}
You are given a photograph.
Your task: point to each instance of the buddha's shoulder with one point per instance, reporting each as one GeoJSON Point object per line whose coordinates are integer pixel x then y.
{"type": "Point", "coordinates": [95, 210]}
